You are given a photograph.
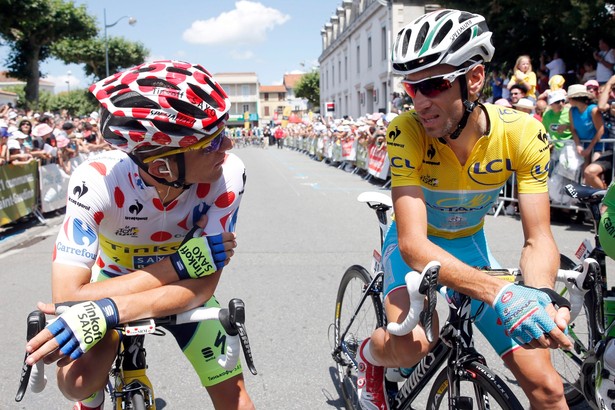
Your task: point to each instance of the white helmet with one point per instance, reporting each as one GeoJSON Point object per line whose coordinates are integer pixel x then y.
{"type": "Point", "coordinates": [442, 37]}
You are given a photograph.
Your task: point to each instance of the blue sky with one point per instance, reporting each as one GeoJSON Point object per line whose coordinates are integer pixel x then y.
{"type": "Point", "coordinates": [268, 37]}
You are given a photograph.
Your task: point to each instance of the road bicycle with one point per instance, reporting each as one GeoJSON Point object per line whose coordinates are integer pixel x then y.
{"type": "Point", "coordinates": [128, 387]}
{"type": "Point", "coordinates": [466, 381]}
{"type": "Point", "coordinates": [581, 368]}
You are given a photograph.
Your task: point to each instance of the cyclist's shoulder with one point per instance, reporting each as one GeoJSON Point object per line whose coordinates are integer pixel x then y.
{"type": "Point", "coordinates": [509, 126]}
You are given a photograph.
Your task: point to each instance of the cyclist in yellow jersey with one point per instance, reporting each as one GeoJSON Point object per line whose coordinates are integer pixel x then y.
{"type": "Point", "coordinates": [449, 159]}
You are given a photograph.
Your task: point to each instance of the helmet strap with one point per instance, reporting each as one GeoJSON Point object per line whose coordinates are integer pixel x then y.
{"type": "Point", "coordinates": [469, 107]}
{"type": "Point", "coordinates": [180, 182]}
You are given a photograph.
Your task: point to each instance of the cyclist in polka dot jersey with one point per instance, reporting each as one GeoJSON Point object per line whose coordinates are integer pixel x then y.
{"type": "Point", "coordinates": [129, 212]}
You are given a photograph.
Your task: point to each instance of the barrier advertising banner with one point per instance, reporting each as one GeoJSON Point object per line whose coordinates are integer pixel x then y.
{"type": "Point", "coordinates": [18, 189]}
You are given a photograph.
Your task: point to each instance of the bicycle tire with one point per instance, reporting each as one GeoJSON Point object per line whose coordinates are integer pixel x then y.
{"type": "Point", "coordinates": [136, 400]}
{"type": "Point", "coordinates": [481, 382]}
{"type": "Point", "coordinates": [367, 319]}
{"type": "Point", "coordinates": [568, 363]}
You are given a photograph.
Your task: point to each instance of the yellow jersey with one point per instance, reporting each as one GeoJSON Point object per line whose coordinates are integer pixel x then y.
{"type": "Point", "coordinates": [458, 196]}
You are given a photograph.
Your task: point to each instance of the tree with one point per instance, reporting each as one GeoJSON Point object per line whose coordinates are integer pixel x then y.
{"type": "Point", "coordinates": [308, 87]}
{"type": "Point", "coordinates": [30, 27]}
{"type": "Point", "coordinates": [571, 27]}
{"type": "Point", "coordinates": [91, 52]}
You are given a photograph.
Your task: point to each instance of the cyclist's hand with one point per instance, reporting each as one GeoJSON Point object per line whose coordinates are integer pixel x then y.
{"type": "Point", "coordinates": [527, 314]}
{"type": "Point", "coordinates": [75, 331]}
{"type": "Point", "coordinates": [200, 256]}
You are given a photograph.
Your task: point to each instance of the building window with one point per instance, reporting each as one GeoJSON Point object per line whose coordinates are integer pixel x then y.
{"type": "Point", "coordinates": [266, 111]}
{"type": "Point", "coordinates": [281, 97]}
{"type": "Point", "coordinates": [245, 89]}
{"type": "Point", "coordinates": [332, 71]}
{"type": "Point", "coordinates": [358, 59]}
{"type": "Point", "coordinates": [383, 44]}
{"type": "Point", "coordinates": [339, 71]}
{"type": "Point", "coordinates": [345, 67]}
{"type": "Point", "coordinates": [369, 51]}
{"type": "Point", "coordinates": [266, 97]}
{"type": "Point", "coordinates": [246, 107]}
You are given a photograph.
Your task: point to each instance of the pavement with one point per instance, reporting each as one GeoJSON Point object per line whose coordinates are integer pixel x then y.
{"type": "Point", "coordinates": [27, 230]}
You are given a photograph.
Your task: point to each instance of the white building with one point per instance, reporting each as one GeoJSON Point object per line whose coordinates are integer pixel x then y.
{"type": "Point", "coordinates": [355, 69]}
{"type": "Point", "coordinates": [243, 91]}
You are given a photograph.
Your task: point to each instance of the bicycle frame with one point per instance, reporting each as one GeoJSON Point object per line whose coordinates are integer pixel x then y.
{"type": "Point", "coordinates": [128, 376]}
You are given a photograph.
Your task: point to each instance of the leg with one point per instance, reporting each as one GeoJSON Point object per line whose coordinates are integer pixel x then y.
{"type": "Point", "coordinates": [593, 175]}
{"type": "Point", "coordinates": [90, 372]}
{"type": "Point", "coordinates": [230, 394]}
{"type": "Point", "coordinates": [537, 377]}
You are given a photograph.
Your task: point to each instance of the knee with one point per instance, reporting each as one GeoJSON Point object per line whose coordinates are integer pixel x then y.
{"type": "Point", "coordinates": [546, 389]}
{"type": "Point", "coordinates": [408, 350]}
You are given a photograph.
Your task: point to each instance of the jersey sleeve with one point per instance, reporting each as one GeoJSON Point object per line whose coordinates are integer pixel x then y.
{"type": "Point", "coordinates": [77, 240]}
{"type": "Point", "coordinates": [533, 156]}
{"type": "Point", "coordinates": [405, 148]}
{"type": "Point", "coordinates": [222, 215]}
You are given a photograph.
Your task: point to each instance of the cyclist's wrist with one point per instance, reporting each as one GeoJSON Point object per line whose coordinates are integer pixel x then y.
{"type": "Point", "coordinates": [198, 257]}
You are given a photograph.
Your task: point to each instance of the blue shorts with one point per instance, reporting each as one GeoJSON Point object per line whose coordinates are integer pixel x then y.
{"type": "Point", "coordinates": [472, 250]}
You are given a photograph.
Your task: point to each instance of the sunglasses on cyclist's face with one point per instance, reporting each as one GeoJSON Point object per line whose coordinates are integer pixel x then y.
{"type": "Point", "coordinates": [433, 86]}
{"type": "Point", "coordinates": [209, 144]}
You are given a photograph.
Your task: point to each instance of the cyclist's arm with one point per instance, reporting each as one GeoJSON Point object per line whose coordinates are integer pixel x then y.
{"type": "Point", "coordinates": [417, 250]}
{"type": "Point", "coordinates": [539, 256]}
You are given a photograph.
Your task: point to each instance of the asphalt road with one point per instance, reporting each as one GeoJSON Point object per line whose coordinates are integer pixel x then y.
{"type": "Point", "coordinates": [299, 228]}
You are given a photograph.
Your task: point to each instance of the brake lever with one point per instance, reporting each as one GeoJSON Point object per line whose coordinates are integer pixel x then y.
{"type": "Point", "coordinates": [35, 323]}
{"type": "Point", "coordinates": [428, 288]}
{"type": "Point", "coordinates": [233, 320]}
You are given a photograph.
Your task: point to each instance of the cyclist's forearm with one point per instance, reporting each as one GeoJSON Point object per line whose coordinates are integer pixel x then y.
{"type": "Point", "coordinates": [166, 300]}
{"type": "Point", "coordinates": [72, 283]}
{"type": "Point", "coordinates": [539, 262]}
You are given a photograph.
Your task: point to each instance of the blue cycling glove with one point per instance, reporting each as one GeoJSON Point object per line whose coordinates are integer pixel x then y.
{"type": "Point", "coordinates": [522, 312]}
{"type": "Point", "coordinates": [83, 325]}
{"type": "Point", "coordinates": [199, 256]}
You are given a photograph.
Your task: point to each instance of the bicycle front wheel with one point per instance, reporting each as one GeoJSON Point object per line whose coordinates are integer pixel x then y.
{"type": "Point", "coordinates": [358, 312]}
{"type": "Point", "coordinates": [568, 363]}
{"type": "Point", "coordinates": [136, 400]}
{"type": "Point", "coordinates": [480, 388]}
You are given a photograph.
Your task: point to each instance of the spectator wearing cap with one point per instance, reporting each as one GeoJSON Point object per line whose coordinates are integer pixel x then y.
{"type": "Point", "coordinates": [25, 126]}
{"type": "Point", "coordinates": [525, 105]}
{"type": "Point", "coordinates": [586, 123]}
{"type": "Point", "coordinates": [18, 154]}
{"type": "Point", "coordinates": [69, 131]}
{"type": "Point", "coordinates": [44, 131]}
{"type": "Point", "coordinates": [65, 153]}
{"type": "Point", "coordinates": [503, 102]}
{"type": "Point", "coordinates": [556, 120]}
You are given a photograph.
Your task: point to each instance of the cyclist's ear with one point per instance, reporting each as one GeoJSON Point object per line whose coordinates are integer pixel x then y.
{"type": "Point", "coordinates": [161, 168]}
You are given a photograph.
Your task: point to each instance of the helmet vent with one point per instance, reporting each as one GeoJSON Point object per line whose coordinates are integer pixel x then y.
{"type": "Point", "coordinates": [420, 38]}
{"type": "Point", "coordinates": [205, 96]}
{"type": "Point", "coordinates": [442, 33]}
{"type": "Point", "coordinates": [156, 82]}
{"type": "Point", "coordinates": [465, 16]}
{"type": "Point", "coordinates": [462, 40]}
{"type": "Point", "coordinates": [186, 108]}
{"type": "Point", "coordinates": [179, 70]}
{"type": "Point", "coordinates": [133, 99]}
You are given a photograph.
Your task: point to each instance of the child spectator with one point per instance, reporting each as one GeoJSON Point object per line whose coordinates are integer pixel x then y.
{"type": "Point", "coordinates": [523, 75]}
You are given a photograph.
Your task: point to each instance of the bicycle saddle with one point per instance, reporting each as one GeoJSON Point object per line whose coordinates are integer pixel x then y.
{"type": "Point", "coordinates": [584, 192]}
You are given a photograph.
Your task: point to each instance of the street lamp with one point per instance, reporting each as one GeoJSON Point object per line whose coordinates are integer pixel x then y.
{"type": "Point", "coordinates": [131, 20]}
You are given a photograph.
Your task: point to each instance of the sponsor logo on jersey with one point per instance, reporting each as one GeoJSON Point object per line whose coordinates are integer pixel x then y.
{"type": "Point", "coordinates": [77, 193]}
{"type": "Point", "coordinates": [463, 204]}
{"type": "Point", "coordinates": [82, 234]}
{"type": "Point", "coordinates": [431, 153]}
{"type": "Point", "coordinates": [482, 173]}
{"type": "Point", "coordinates": [393, 134]}
{"type": "Point", "coordinates": [135, 209]}
{"type": "Point", "coordinates": [140, 262]}
{"type": "Point", "coordinates": [131, 231]}
{"type": "Point", "coordinates": [428, 180]}
{"type": "Point", "coordinates": [75, 251]}
{"type": "Point", "coordinates": [540, 172]}
{"type": "Point", "coordinates": [399, 162]}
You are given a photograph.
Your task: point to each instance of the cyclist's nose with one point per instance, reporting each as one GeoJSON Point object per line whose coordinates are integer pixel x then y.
{"type": "Point", "coordinates": [226, 144]}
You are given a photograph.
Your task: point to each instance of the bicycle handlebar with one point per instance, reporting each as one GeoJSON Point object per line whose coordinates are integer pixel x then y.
{"type": "Point", "coordinates": [419, 285]}
{"type": "Point", "coordinates": [232, 319]}
{"type": "Point", "coordinates": [577, 282]}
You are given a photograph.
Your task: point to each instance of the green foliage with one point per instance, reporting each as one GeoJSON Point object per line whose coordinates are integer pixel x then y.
{"type": "Point", "coordinates": [77, 102]}
{"type": "Point", "coordinates": [30, 27]}
{"type": "Point", "coordinates": [308, 87]}
{"type": "Point", "coordinates": [91, 52]}
{"type": "Point", "coordinates": [572, 27]}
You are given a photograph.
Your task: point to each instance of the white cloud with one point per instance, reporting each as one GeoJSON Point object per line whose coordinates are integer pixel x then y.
{"type": "Point", "coordinates": [248, 23]}
{"type": "Point", "coordinates": [241, 55]}
{"type": "Point", "coordinates": [62, 82]}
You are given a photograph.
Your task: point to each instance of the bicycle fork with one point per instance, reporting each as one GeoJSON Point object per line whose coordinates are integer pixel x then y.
{"type": "Point", "coordinates": [129, 374]}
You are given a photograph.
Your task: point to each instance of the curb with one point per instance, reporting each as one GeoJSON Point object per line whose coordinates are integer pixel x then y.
{"type": "Point", "coordinates": [22, 234]}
